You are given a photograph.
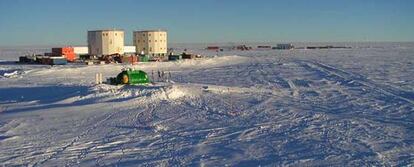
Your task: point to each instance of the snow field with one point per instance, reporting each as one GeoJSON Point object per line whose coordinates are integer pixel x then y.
{"type": "Point", "coordinates": [268, 108]}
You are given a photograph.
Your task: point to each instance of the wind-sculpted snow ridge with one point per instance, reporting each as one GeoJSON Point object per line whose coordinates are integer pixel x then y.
{"type": "Point", "coordinates": [262, 108]}
{"type": "Point", "coordinates": [144, 93]}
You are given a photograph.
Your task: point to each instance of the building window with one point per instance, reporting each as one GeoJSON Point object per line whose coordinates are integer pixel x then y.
{"type": "Point", "coordinates": [149, 40]}
{"type": "Point", "coordinates": [115, 34]}
{"type": "Point", "coordinates": [149, 34]}
{"type": "Point", "coordinates": [155, 40]}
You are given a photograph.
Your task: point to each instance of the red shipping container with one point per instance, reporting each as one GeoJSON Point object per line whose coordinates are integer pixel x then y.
{"type": "Point", "coordinates": [129, 59]}
{"type": "Point", "coordinates": [213, 48]}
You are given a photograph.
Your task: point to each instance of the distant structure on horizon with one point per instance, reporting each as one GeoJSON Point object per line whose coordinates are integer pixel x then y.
{"type": "Point", "coordinates": [151, 42]}
{"type": "Point", "coordinates": [105, 42]}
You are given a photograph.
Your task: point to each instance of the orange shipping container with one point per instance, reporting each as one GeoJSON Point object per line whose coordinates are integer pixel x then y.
{"type": "Point", "coordinates": [64, 50]}
{"type": "Point", "coordinates": [67, 52]}
{"type": "Point", "coordinates": [70, 57]}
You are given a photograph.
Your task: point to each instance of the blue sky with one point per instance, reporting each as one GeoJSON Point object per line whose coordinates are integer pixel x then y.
{"type": "Point", "coordinates": [65, 22]}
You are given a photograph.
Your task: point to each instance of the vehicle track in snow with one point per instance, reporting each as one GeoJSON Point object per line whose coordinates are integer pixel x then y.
{"type": "Point", "coordinates": [268, 74]}
{"type": "Point", "coordinates": [374, 92]}
{"type": "Point", "coordinates": [342, 99]}
{"type": "Point", "coordinates": [361, 100]}
{"type": "Point", "coordinates": [348, 76]}
{"type": "Point", "coordinates": [278, 122]}
{"type": "Point", "coordinates": [138, 119]}
{"type": "Point", "coordinates": [336, 109]}
{"type": "Point", "coordinates": [60, 150]}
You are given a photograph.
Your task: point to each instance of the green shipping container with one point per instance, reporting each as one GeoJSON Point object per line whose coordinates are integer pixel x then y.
{"type": "Point", "coordinates": [143, 58]}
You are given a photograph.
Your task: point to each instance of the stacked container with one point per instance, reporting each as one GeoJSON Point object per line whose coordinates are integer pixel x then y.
{"type": "Point", "coordinates": [143, 58]}
{"type": "Point", "coordinates": [174, 57]}
{"type": "Point", "coordinates": [45, 60]}
{"type": "Point", "coordinates": [129, 59]}
{"type": "Point", "coordinates": [66, 52]}
{"type": "Point", "coordinates": [58, 61]}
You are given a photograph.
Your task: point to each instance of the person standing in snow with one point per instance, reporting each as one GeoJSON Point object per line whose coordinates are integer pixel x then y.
{"type": "Point", "coordinates": [152, 75]}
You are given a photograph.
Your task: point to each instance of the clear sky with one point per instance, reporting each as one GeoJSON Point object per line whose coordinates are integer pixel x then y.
{"type": "Point", "coordinates": [65, 22]}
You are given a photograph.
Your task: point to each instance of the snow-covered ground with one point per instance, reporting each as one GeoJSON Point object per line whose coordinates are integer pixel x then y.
{"type": "Point", "coordinates": [347, 107]}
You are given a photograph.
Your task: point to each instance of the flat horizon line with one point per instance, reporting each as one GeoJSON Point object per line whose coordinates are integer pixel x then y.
{"type": "Point", "coordinates": [238, 42]}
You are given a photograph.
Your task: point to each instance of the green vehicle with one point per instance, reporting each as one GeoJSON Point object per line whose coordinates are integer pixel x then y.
{"type": "Point", "coordinates": [144, 58]}
{"type": "Point", "coordinates": [130, 77]}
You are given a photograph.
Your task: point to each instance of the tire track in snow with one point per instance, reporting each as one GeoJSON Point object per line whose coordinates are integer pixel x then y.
{"type": "Point", "coordinates": [347, 76]}
{"type": "Point", "coordinates": [139, 120]}
{"type": "Point", "coordinates": [271, 78]}
{"type": "Point", "coordinates": [374, 90]}
{"type": "Point", "coordinates": [342, 76]}
{"type": "Point", "coordinates": [232, 131]}
{"type": "Point", "coordinates": [75, 139]}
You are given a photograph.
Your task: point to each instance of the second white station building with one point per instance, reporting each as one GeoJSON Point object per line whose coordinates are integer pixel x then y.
{"type": "Point", "coordinates": [151, 42]}
{"type": "Point", "coordinates": [106, 42]}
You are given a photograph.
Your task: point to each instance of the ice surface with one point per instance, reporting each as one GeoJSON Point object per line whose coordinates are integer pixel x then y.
{"type": "Point", "coordinates": [346, 107]}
